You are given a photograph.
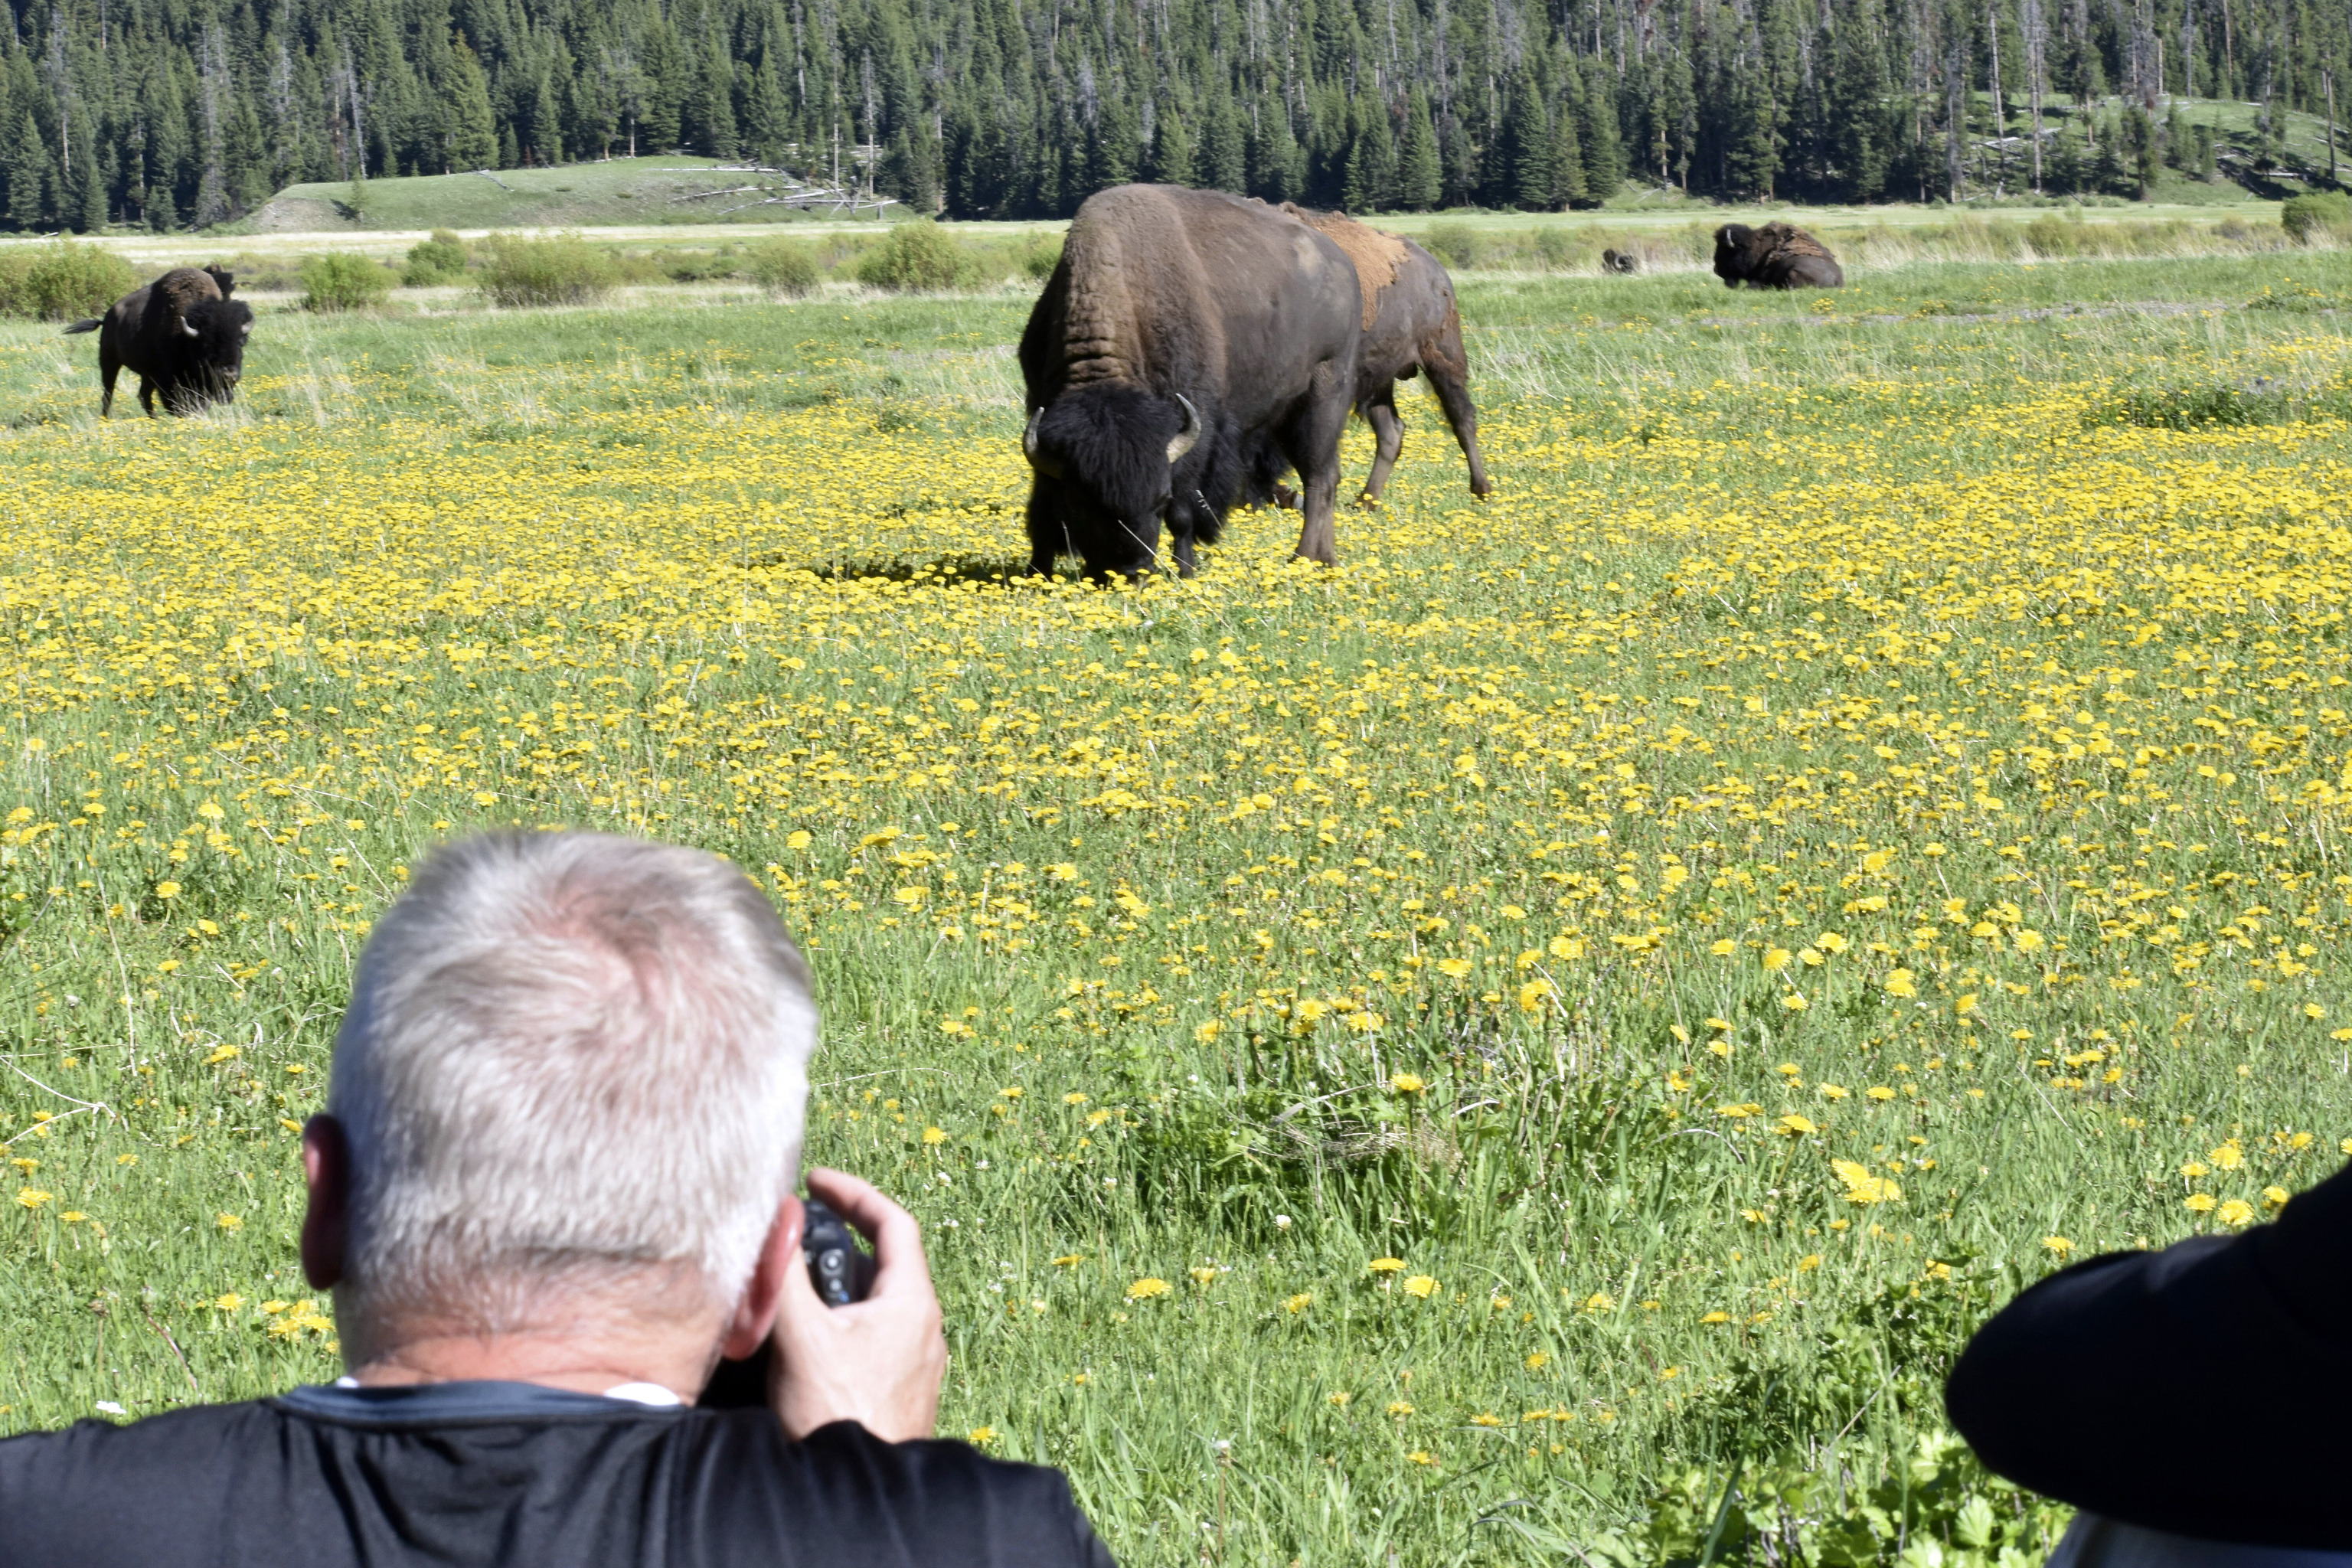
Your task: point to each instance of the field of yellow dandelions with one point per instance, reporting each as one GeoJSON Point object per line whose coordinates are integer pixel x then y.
{"type": "Point", "coordinates": [1609, 982]}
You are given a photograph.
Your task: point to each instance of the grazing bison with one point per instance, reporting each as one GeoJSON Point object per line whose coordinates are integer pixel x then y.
{"type": "Point", "coordinates": [1410, 326]}
{"type": "Point", "coordinates": [1776, 255]}
{"type": "Point", "coordinates": [1622, 262]}
{"type": "Point", "coordinates": [181, 335]}
{"type": "Point", "coordinates": [1181, 331]}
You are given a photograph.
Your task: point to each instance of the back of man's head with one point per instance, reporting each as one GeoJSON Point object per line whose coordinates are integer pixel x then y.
{"type": "Point", "coordinates": [573, 1064]}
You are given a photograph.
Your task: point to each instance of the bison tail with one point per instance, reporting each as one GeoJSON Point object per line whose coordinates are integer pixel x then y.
{"type": "Point", "coordinates": [89, 326]}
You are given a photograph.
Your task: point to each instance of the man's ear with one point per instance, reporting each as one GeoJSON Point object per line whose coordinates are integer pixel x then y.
{"type": "Point", "coordinates": [326, 1170]}
{"type": "Point", "coordinates": [755, 1314]}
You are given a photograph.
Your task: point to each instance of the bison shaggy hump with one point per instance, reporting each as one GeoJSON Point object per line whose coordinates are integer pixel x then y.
{"type": "Point", "coordinates": [1776, 255]}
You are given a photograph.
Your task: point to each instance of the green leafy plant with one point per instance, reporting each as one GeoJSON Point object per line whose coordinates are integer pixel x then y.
{"type": "Point", "coordinates": [915, 257]}
{"type": "Point", "coordinates": [62, 281]}
{"type": "Point", "coordinates": [337, 281]}
{"type": "Point", "coordinates": [562, 269]}
{"type": "Point", "coordinates": [782, 268]}
{"type": "Point", "coordinates": [2322, 215]}
{"type": "Point", "coordinates": [438, 260]}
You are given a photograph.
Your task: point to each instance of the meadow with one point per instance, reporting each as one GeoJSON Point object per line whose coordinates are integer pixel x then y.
{"type": "Point", "coordinates": [1549, 1034]}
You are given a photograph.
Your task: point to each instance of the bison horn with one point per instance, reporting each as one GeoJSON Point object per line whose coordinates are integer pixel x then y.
{"type": "Point", "coordinates": [1187, 439]}
{"type": "Point", "coordinates": [1044, 465]}
{"type": "Point", "coordinates": [186, 329]}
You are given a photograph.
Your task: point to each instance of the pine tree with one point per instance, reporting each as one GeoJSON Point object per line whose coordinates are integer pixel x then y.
{"type": "Point", "coordinates": [473, 132]}
{"type": "Point", "coordinates": [1596, 127]}
{"type": "Point", "coordinates": [1171, 161]}
{"type": "Point", "coordinates": [1224, 149]}
{"type": "Point", "coordinates": [25, 162]}
{"type": "Point", "coordinates": [1527, 137]}
{"type": "Point", "coordinates": [1274, 154]}
{"type": "Point", "coordinates": [1420, 178]}
{"type": "Point", "coordinates": [1569, 185]}
{"type": "Point", "coordinates": [1113, 149]}
{"type": "Point", "coordinates": [1368, 183]}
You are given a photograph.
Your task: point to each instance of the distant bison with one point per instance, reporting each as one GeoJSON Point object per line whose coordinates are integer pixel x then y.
{"type": "Point", "coordinates": [1183, 333]}
{"type": "Point", "coordinates": [181, 335]}
{"type": "Point", "coordinates": [1621, 262]}
{"type": "Point", "coordinates": [1776, 255]}
{"type": "Point", "coordinates": [1411, 327]}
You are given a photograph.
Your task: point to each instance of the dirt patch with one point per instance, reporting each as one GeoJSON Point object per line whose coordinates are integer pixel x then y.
{"type": "Point", "coordinates": [297, 215]}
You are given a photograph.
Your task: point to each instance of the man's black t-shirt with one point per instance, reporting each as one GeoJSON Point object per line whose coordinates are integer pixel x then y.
{"type": "Point", "coordinates": [517, 1475]}
{"type": "Point", "coordinates": [2109, 1384]}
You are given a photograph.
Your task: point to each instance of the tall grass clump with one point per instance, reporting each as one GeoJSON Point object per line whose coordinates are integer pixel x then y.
{"type": "Point", "coordinates": [782, 268]}
{"type": "Point", "coordinates": [337, 281]}
{"type": "Point", "coordinates": [916, 258]}
{"type": "Point", "coordinates": [63, 281]}
{"type": "Point", "coordinates": [440, 258]}
{"type": "Point", "coordinates": [562, 269]}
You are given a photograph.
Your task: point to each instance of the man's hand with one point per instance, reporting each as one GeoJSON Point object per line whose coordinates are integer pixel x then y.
{"type": "Point", "coordinates": [878, 1361]}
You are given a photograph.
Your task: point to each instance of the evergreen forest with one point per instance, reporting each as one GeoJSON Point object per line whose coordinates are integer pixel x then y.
{"type": "Point", "coordinates": [168, 113]}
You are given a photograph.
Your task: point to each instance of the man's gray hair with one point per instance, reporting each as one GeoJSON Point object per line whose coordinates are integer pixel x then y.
{"type": "Point", "coordinates": [570, 1060]}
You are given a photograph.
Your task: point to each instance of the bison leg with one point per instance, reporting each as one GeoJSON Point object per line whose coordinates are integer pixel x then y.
{"type": "Point", "coordinates": [1180, 539]}
{"type": "Point", "coordinates": [1048, 537]}
{"type": "Point", "coordinates": [1312, 443]}
{"type": "Point", "coordinates": [1388, 440]}
{"type": "Point", "coordinates": [147, 396]}
{"type": "Point", "coordinates": [1449, 378]}
{"type": "Point", "coordinates": [108, 367]}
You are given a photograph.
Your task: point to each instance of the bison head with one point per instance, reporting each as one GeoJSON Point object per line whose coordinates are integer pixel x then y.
{"type": "Point", "coordinates": [1736, 254]}
{"type": "Point", "coordinates": [210, 338]}
{"type": "Point", "coordinates": [1106, 458]}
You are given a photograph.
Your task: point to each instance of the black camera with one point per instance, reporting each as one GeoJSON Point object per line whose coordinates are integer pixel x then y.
{"type": "Point", "coordinates": [841, 1270]}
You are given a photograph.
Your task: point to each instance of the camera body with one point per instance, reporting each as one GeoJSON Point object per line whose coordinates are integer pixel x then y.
{"type": "Point", "coordinates": [841, 1270]}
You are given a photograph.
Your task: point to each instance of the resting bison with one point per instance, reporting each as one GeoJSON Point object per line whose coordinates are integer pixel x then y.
{"type": "Point", "coordinates": [181, 335]}
{"type": "Point", "coordinates": [1409, 326]}
{"type": "Point", "coordinates": [1182, 331]}
{"type": "Point", "coordinates": [1622, 262]}
{"type": "Point", "coordinates": [1776, 255]}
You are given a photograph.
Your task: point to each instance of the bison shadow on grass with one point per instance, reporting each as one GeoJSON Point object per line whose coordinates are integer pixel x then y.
{"type": "Point", "coordinates": [181, 335]}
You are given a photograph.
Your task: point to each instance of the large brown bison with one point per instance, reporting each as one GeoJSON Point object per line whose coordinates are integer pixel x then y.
{"type": "Point", "coordinates": [1410, 326]}
{"type": "Point", "coordinates": [181, 335]}
{"type": "Point", "coordinates": [1181, 331]}
{"type": "Point", "coordinates": [1776, 255]}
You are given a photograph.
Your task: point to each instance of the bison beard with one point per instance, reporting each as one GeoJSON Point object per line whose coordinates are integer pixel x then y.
{"type": "Point", "coordinates": [1128, 443]}
{"type": "Point", "coordinates": [1184, 335]}
{"type": "Point", "coordinates": [181, 335]}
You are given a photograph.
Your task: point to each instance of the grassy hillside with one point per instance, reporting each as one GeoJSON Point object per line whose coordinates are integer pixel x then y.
{"type": "Point", "coordinates": [625, 191]}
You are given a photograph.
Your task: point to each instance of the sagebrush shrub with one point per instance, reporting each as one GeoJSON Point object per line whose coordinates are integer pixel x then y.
{"type": "Point", "coordinates": [915, 258]}
{"type": "Point", "coordinates": [438, 260]}
{"type": "Point", "coordinates": [782, 268]}
{"type": "Point", "coordinates": [62, 282]}
{"type": "Point", "coordinates": [338, 281]}
{"type": "Point", "coordinates": [562, 269]}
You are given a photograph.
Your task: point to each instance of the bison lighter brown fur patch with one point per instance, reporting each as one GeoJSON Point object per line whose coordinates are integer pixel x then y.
{"type": "Point", "coordinates": [1378, 257]}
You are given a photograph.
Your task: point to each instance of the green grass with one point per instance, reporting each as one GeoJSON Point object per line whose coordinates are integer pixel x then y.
{"type": "Point", "coordinates": [1771, 585]}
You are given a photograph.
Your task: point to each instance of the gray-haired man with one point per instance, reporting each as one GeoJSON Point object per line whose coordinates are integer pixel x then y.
{"type": "Point", "coordinates": [554, 1189]}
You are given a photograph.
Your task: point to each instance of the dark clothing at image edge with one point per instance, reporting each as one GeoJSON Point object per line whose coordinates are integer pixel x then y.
{"type": "Point", "coordinates": [2108, 1384]}
{"type": "Point", "coordinates": [519, 1476]}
